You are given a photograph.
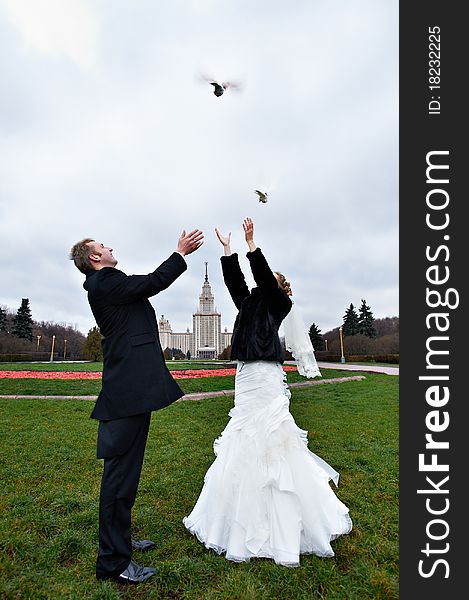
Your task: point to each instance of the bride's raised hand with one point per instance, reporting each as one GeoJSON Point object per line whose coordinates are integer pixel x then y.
{"type": "Point", "coordinates": [248, 227]}
{"type": "Point", "coordinates": [224, 239]}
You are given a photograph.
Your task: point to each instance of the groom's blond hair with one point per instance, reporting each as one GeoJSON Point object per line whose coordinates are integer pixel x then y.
{"type": "Point", "coordinates": [80, 254]}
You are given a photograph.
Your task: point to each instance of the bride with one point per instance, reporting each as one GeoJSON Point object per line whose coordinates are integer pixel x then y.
{"type": "Point", "coordinates": [265, 495]}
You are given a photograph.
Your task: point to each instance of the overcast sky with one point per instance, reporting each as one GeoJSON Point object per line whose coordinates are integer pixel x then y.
{"type": "Point", "coordinates": [107, 131]}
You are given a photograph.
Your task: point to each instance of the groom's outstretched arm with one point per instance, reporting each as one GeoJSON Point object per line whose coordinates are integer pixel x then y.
{"type": "Point", "coordinates": [115, 287]}
{"type": "Point", "coordinates": [118, 288]}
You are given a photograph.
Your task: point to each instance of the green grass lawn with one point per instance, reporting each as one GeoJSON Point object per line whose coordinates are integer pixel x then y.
{"type": "Point", "coordinates": [91, 387]}
{"type": "Point", "coordinates": [50, 484]}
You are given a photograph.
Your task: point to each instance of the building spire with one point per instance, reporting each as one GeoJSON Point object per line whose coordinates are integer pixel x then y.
{"type": "Point", "coordinates": [206, 272]}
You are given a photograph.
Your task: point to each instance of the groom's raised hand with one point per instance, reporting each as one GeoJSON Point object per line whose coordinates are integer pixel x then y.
{"type": "Point", "coordinates": [190, 242]}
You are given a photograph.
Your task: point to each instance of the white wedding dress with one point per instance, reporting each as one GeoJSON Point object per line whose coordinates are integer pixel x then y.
{"type": "Point", "coordinates": [266, 495]}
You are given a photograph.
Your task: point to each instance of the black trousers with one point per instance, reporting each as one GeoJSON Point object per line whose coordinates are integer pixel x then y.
{"type": "Point", "coordinates": [121, 442]}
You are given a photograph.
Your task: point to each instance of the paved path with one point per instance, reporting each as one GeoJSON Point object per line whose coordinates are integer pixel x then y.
{"type": "Point", "coordinates": [199, 395]}
{"type": "Point", "coordinates": [366, 368]}
{"type": "Point", "coordinates": [355, 367]}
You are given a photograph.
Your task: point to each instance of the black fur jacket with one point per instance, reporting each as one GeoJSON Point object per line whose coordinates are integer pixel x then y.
{"type": "Point", "coordinates": [261, 310]}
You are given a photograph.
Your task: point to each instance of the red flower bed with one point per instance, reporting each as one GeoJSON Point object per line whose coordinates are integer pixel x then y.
{"type": "Point", "coordinates": [50, 375]}
{"type": "Point", "coordinates": [183, 374]}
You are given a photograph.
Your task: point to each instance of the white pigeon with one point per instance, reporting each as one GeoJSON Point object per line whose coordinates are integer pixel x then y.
{"type": "Point", "coordinates": [262, 195]}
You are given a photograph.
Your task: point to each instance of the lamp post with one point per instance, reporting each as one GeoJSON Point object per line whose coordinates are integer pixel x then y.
{"type": "Point", "coordinates": [38, 339]}
{"type": "Point", "coordinates": [65, 348]}
{"type": "Point", "coordinates": [325, 341]}
{"type": "Point", "coordinates": [342, 358]}
{"type": "Point", "coordinates": [52, 349]}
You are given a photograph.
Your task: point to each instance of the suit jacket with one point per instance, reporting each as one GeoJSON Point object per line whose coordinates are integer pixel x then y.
{"type": "Point", "coordinates": [135, 377]}
{"type": "Point", "coordinates": [261, 310]}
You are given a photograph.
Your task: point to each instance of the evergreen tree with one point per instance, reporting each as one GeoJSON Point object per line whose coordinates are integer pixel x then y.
{"type": "Point", "coordinates": [92, 349]}
{"type": "Point", "coordinates": [366, 320]}
{"type": "Point", "coordinates": [178, 353]}
{"type": "Point", "coordinates": [316, 338]}
{"type": "Point", "coordinates": [23, 321]}
{"type": "Point", "coordinates": [188, 355]}
{"type": "Point", "coordinates": [3, 320]}
{"type": "Point", "coordinates": [350, 326]}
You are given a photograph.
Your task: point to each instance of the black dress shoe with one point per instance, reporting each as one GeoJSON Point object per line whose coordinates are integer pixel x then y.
{"type": "Point", "coordinates": [132, 574]}
{"type": "Point", "coordinates": [143, 545]}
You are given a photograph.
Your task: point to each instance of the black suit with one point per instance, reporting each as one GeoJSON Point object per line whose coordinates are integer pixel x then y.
{"type": "Point", "coordinates": [135, 382]}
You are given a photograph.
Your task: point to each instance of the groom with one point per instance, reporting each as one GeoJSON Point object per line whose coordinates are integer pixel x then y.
{"type": "Point", "coordinates": [135, 382]}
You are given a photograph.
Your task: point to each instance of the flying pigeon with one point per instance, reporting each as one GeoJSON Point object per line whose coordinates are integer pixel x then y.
{"type": "Point", "coordinates": [262, 196]}
{"type": "Point", "coordinates": [219, 88]}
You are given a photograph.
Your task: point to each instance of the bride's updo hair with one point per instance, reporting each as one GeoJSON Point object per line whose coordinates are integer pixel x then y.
{"type": "Point", "coordinates": [283, 283]}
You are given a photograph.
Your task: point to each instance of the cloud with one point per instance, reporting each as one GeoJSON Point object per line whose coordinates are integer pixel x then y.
{"type": "Point", "coordinates": [106, 131]}
{"type": "Point", "coordinates": [56, 28]}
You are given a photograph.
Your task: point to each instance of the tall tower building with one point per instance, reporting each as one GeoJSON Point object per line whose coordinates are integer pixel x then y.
{"type": "Point", "coordinates": [207, 339]}
{"type": "Point", "coordinates": [165, 332]}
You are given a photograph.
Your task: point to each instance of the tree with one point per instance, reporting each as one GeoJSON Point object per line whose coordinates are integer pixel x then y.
{"type": "Point", "coordinates": [350, 326]}
{"type": "Point", "coordinates": [358, 344]}
{"type": "Point", "coordinates": [225, 353]}
{"type": "Point", "coordinates": [316, 338]}
{"type": "Point", "coordinates": [366, 320]}
{"type": "Point", "coordinates": [178, 354]}
{"type": "Point", "coordinates": [386, 326]}
{"type": "Point", "coordinates": [287, 355]}
{"type": "Point", "coordinates": [3, 320]}
{"type": "Point", "coordinates": [188, 355]}
{"type": "Point", "coordinates": [92, 349]}
{"type": "Point", "coordinates": [168, 355]}
{"type": "Point", "coordinates": [23, 321]}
